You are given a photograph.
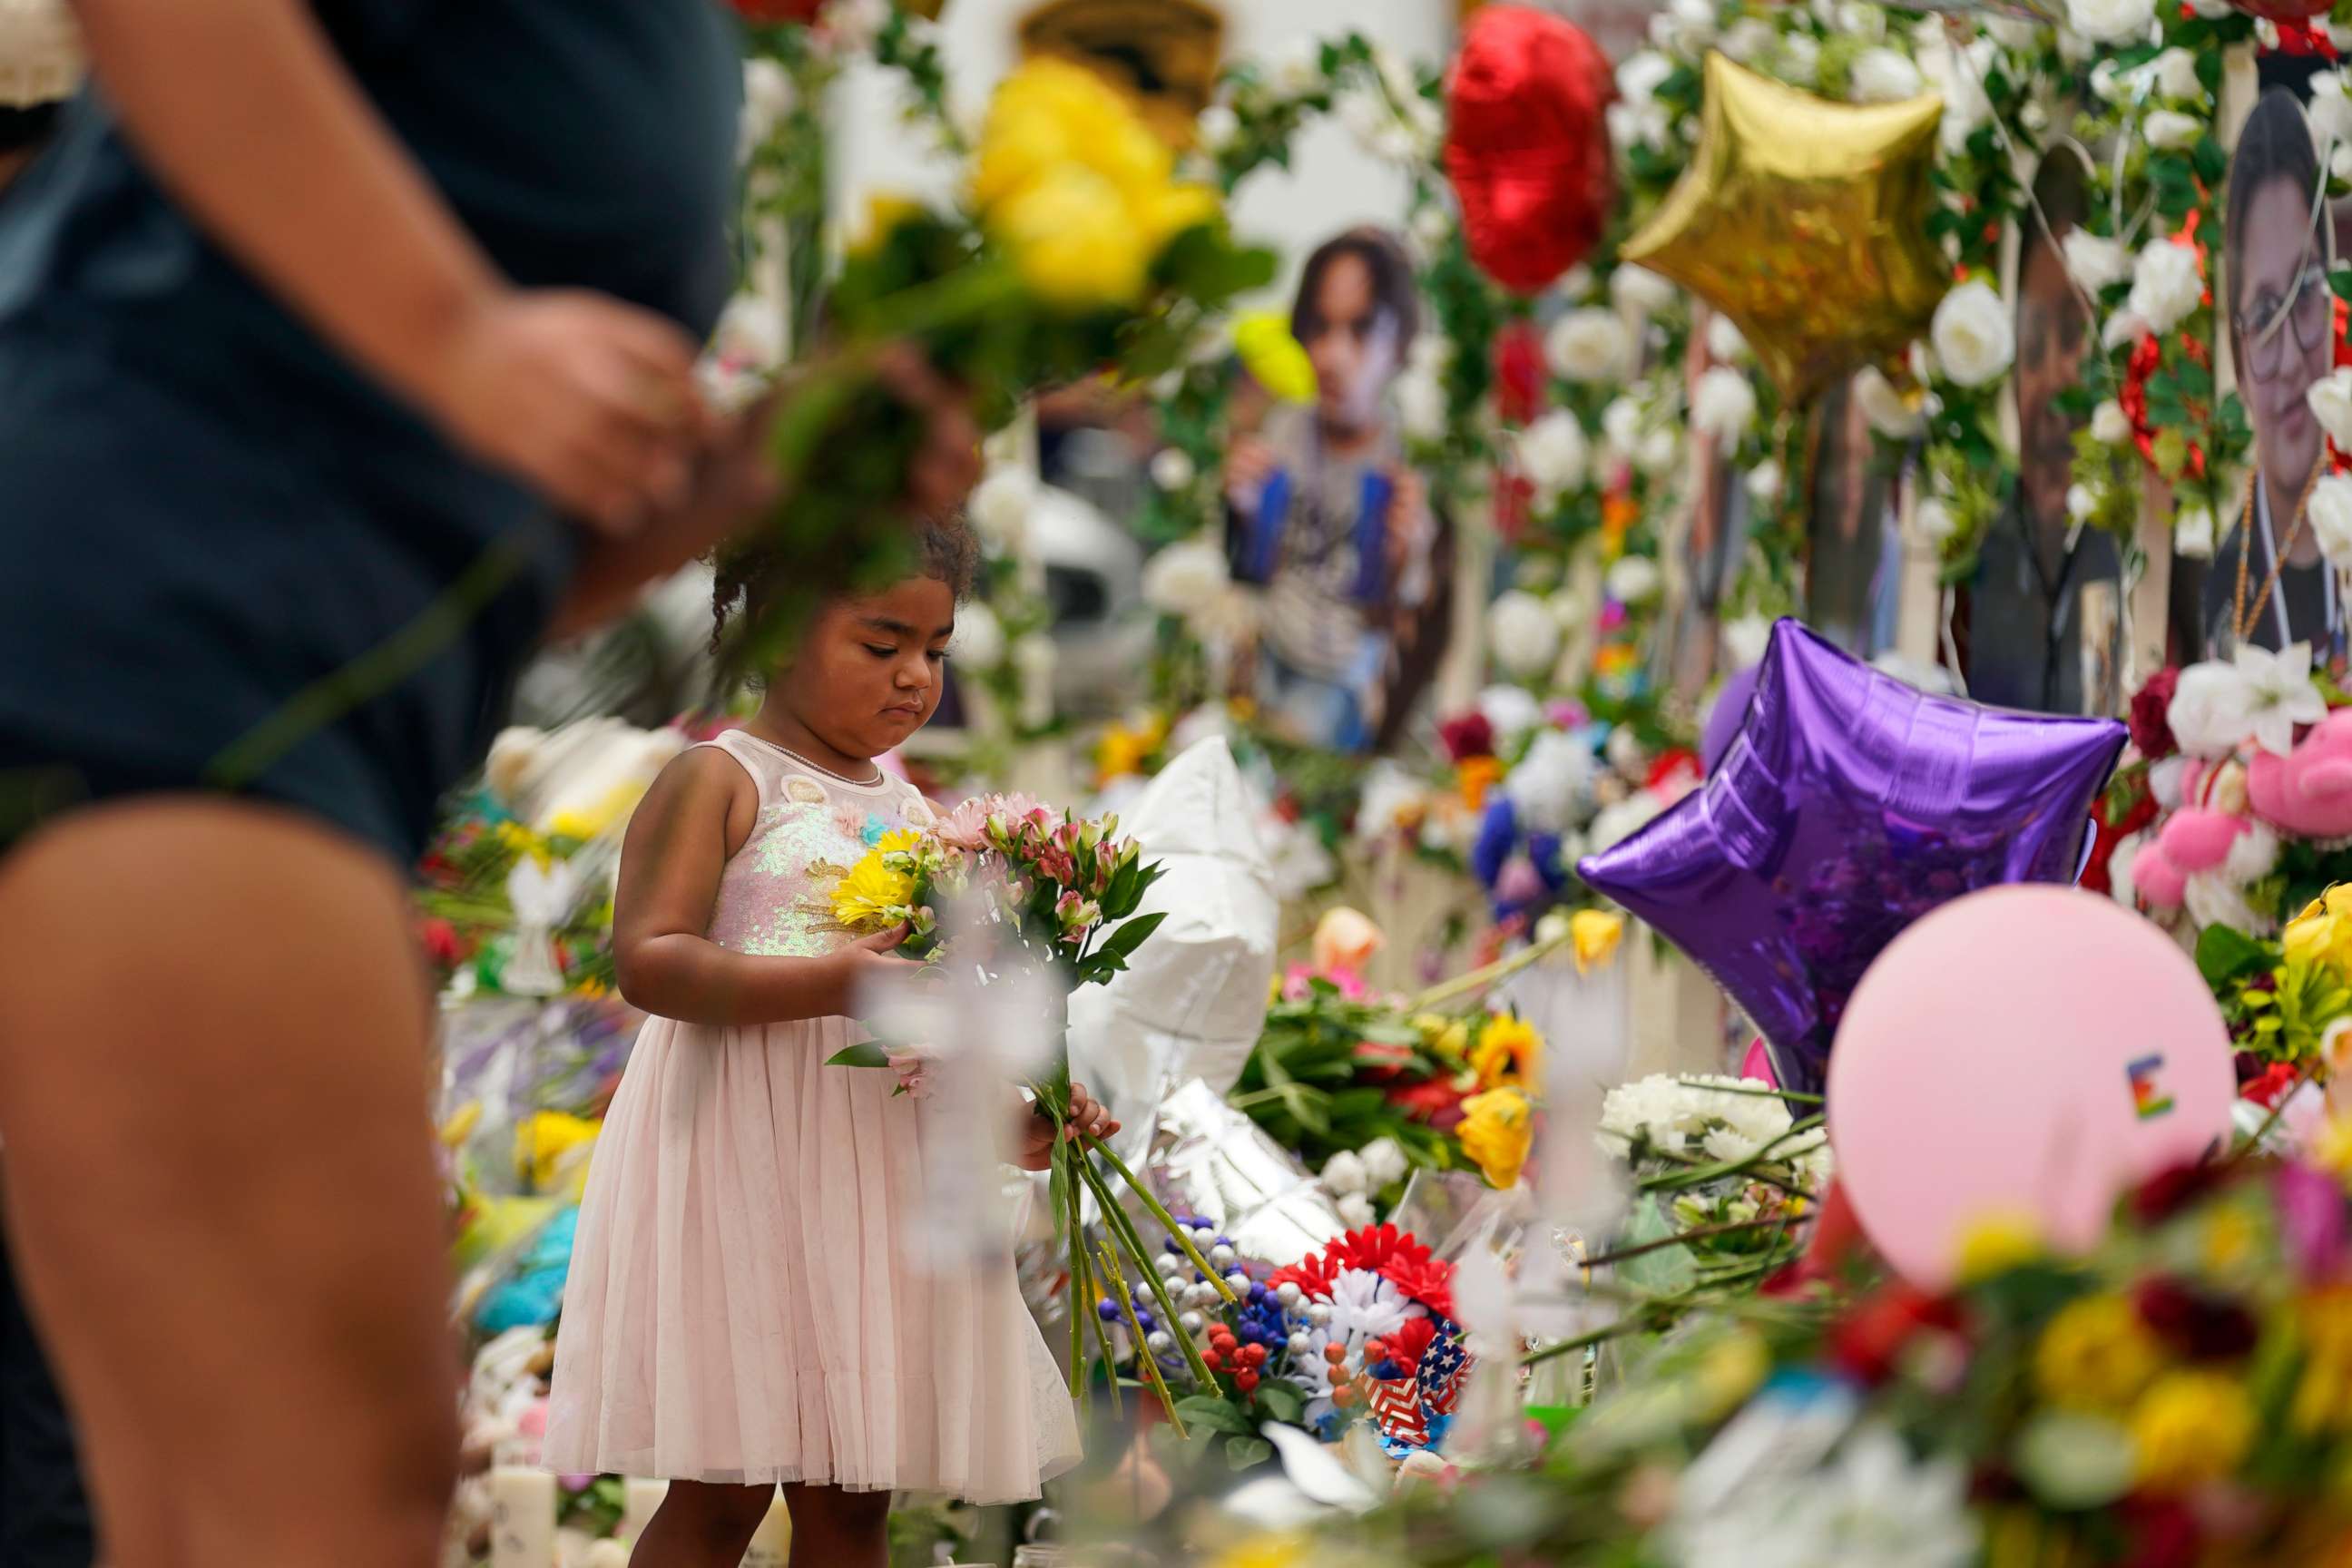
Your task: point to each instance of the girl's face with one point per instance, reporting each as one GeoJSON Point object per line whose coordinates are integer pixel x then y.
{"type": "Point", "coordinates": [2284, 321]}
{"type": "Point", "coordinates": [870, 672]}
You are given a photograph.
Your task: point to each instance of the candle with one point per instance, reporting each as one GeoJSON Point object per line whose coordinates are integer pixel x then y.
{"type": "Point", "coordinates": [640, 1500]}
{"type": "Point", "coordinates": [772, 1546]}
{"type": "Point", "coordinates": [522, 1517]}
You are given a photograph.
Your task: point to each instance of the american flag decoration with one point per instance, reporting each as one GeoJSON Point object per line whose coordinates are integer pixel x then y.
{"type": "Point", "coordinates": [1443, 1366]}
{"type": "Point", "coordinates": [1396, 1410]}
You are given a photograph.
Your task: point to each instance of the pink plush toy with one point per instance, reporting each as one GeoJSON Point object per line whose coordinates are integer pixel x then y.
{"type": "Point", "coordinates": [2308, 792]}
{"type": "Point", "coordinates": [2194, 838]}
{"type": "Point", "coordinates": [2163, 884]}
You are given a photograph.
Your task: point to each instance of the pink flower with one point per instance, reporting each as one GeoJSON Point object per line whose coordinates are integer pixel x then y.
{"type": "Point", "coordinates": [914, 1069]}
{"type": "Point", "coordinates": [968, 825]}
{"type": "Point", "coordinates": [1297, 984]}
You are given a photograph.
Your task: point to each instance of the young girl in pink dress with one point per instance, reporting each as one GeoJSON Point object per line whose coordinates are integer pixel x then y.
{"type": "Point", "coordinates": [741, 1311]}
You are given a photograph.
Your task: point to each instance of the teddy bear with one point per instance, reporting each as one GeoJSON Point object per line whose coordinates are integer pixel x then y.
{"type": "Point", "coordinates": [2308, 792]}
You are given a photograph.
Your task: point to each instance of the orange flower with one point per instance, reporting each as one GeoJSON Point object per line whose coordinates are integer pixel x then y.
{"type": "Point", "coordinates": [1479, 774]}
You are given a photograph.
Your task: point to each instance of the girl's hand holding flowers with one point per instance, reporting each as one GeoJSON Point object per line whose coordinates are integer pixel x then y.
{"type": "Point", "coordinates": [1088, 1118]}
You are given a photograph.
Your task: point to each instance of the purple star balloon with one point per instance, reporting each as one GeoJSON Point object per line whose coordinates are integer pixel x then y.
{"type": "Point", "coordinates": [1848, 805]}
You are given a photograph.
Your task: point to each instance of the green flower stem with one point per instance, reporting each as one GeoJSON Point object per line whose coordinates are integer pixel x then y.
{"type": "Point", "coordinates": [1756, 1091]}
{"type": "Point", "coordinates": [1182, 1235]}
{"type": "Point", "coordinates": [1114, 1219]}
{"type": "Point", "coordinates": [1144, 1356]}
{"type": "Point", "coordinates": [1705, 1233]}
{"type": "Point", "coordinates": [1493, 975]}
{"type": "Point", "coordinates": [1700, 1175]}
{"type": "Point", "coordinates": [1079, 1295]}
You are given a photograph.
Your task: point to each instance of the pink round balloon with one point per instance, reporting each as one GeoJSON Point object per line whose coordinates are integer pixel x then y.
{"type": "Point", "coordinates": [2029, 1050]}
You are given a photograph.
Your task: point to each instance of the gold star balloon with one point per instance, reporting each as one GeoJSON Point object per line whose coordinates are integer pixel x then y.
{"type": "Point", "coordinates": [1806, 223]}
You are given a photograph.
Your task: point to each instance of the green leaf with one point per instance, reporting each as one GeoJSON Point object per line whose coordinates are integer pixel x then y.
{"type": "Point", "coordinates": [1241, 1453]}
{"type": "Point", "coordinates": [2224, 954]}
{"type": "Point", "coordinates": [867, 1054]}
{"type": "Point", "coordinates": [1130, 936]}
{"type": "Point", "coordinates": [1216, 1415]}
{"type": "Point", "coordinates": [1282, 1401]}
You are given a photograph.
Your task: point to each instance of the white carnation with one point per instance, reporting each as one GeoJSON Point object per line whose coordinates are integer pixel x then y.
{"type": "Point", "coordinates": [1640, 289]}
{"type": "Point", "coordinates": [2175, 75]}
{"type": "Point", "coordinates": [2165, 285]}
{"type": "Point", "coordinates": [1001, 507]}
{"type": "Point", "coordinates": [1172, 469]}
{"type": "Point", "coordinates": [2253, 855]}
{"type": "Point", "coordinates": [1764, 483]}
{"type": "Point", "coordinates": [2110, 425]}
{"type": "Point", "coordinates": [1510, 711]}
{"type": "Point", "coordinates": [1384, 1162]}
{"type": "Point", "coordinates": [1552, 782]}
{"type": "Point", "coordinates": [1553, 453]}
{"type": "Point", "coordinates": [2081, 504]}
{"type": "Point", "coordinates": [1522, 634]}
{"type": "Point", "coordinates": [1343, 1174]}
{"type": "Point", "coordinates": [1589, 345]}
{"type": "Point", "coordinates": [2331, 400]}
{"type": "Point", "coordinates": [1745, 640]}
{"type": "Point", "coordinates": [1973, 337]}
{"type": "Point", "coordinates": [2111, 21]}
{"type": "Point", "coordinates": [1882, 75]}
{"type": "Point", "coordinates": [1356, 1211]}
{"type": "Point", "coordinates": [1633, 580]}
{"type": "Point", "coordinates": [2331, 520]}
{"type": "Point", "coordinates": [978, 640]}
{"type": "Point", "coordinates": [1659, 451]}
{"type": "Point", "coordinates": [1748, 39]}
{"type": "Point", "coordinates": [1185, 579]}
{"type": "Point", "coordinates": [1800, 59]}
{"type": "Point", "coordinates": [1724, 405]}
{"type": "Point", "coordinates": [2169, 130]}
{"type": "Point", "coordinates": [2095, 260]}
{"type": "Point", "coordinates": [1725, 342]}
{"type": "Point", "coordinates": [1889, 413]}
{"type": "Point", "coordinates": [1621, 427]}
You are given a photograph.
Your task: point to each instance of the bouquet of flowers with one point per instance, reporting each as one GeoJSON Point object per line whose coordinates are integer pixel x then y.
{"type": "Point", "coordinates": [2234, 818]}
{"type": "Point", "coordinates": [1729, 1176]}
{"type": "Point", "coordinates": [1357, 1330]}
{"type": "Point", "coordinates": [1075, 250]}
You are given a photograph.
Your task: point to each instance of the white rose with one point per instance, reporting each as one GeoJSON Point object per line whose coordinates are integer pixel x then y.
{"type": "Point", "coordinates": [2169, 130]}
{"type": "Point", "coordinates": [2094, 262]}
{"type": "Point", "coordinates": [1589, 345]}
{"type": "Point", "coordinates": [1935, 521]}
{"type": "Point", "coordinates": [1882, 75]}
{"type": "Point", "coordinates": [2111, 21]}
{"type": "Point", "coordinates": [1621, 427]}
{"type": "Point", "coordinates": [2331, 520]}
{"type": "Point", "coordinates": [1185, 579]}
{"type": "Point", "coordinates": [1384, 1162]}
{"type": "Point", "coordinates": [1553, 453]}
{"type": "Point", "coordinates": [1800, 59]}
{"type": "Point", "coordinates": [1973, 335]}
{"type": "Point", "coordinates": [1724, 405]}
{"type": "Point", "coordinates": [1218, 127]}
{"type": "Point", "coordinates": [1640, 289]}
{"type": "Point", "coordinates": [1764, 483]}
{"type": "Point", "coordinates": [2192, 533]}
{"type": "Point", "coordinates": [2213, 709]}
{"type": "Point", "coordinates": [1356, 1211]}
{"type": "Point", "coordinates": [1001, 506]}
{"type": "Point", "coordinates": [2175, 75]}
{"type": "Point", "coordinates": [1421, 406]}
{"type": "Point", "coordinates": [2165, 285]}
{"type": "Point", "coordinates": [1748, 39]}
{"type": "Point", "coordinates": [1344, 1173]}
{"type": "Point", "coordinates": [1660, 451]}
{"type": "Point", "coordinates": [2331, 400]}
{"type": "Point", "coordinates": [1889, 411]}
{"type": "Point", "coordinates": [1745, 640]}
{"type": "Point", "coordinates": [979, 638]}
{"type": "Point", "coordinates": [1725, 342]}
{"type": "Point", "coordinates": [1633, 580]}
{"type": "Point", "coordinates": [2110, 425]}
{"type": "Point", "coordinates": [1172, 469]}
{"type": "Point", "coordinates": [1522, 634]}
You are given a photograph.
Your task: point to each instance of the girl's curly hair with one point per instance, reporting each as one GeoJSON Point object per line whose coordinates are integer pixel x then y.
{"type": "Point", "coordinates": [748, 574]}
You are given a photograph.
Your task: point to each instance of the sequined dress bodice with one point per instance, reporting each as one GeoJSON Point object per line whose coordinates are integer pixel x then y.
{"type": "Point", "coordinates": [775, 898]}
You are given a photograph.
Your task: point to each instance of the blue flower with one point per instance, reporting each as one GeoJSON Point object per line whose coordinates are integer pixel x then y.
{"type": "Point", "coordinates": [874, 828]}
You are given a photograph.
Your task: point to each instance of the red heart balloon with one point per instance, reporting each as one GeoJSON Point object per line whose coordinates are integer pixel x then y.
{"type": "Point", "coordinates": [1526, 146]}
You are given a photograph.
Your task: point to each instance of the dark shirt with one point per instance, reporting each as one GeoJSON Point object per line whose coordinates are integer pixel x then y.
{"type": "Point", "coordinates": [2025, 637]}
{"type": "Point", "coordinates": [207, 511]}
{"type": "Point", "coordinates": [2304, 590]}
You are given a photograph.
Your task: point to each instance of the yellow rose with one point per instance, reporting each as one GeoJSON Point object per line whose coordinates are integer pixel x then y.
{"type": "Point", "coordinates": [2096, 1354]}
{"type": "Point", "coordinates": [1596, 935]}
{"type": "Point", "coordinates": [1496, 1132]}
{"type": "Point", "coordinates": [1509, 1051]}
{"type": "Point", "coordinates": [2191, 1427]}
{"type": "Point", "coordinates": [1275, 360]}
{"type": "Point", "coordinates": [1070, 237]}
{"type": "Point", "coordinates": [874, 896]}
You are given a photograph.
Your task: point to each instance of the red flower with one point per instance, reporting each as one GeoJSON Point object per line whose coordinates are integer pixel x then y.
{"type": "Point", "coordinates": [1514, 500]}
{"type": "Point", "coordinates": [441, 943]}
{"type": "Point", "coordinates": [1673, 763]}
{"type": "Point", "coordinates": [2151, 730]}
{"type": "Point", "coordinates": [2164, 1533]}
{"type": "Point", "coordinates": [2106, 836]}
{"type": "Point", "coordinates": [1867, 1341]}
{"type": "Point", "coordinates": [1436, 1103]}
{"type": "Point", "coordinates": [1429, 1281]}
{"type": "Point", "coordinates": [1405, 1346]}
{"type": "Point", "coordinates": [1467, 735]}
{"type": "Point", "coordinates": [2271, 1087]}
{"type": "Point", "coordinates": [1519, 373]}
{"type": "Point", "coordinates": [1373, 1248]}
{"type": "Point", "coordinates": [2198, 1326]}
{"type": "Point", "coordinates": [2171, 1190]}
{"type": "Point", "coordinates": [1379, 1062]}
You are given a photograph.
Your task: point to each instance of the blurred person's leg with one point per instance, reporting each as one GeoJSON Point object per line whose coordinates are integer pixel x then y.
{"type": "Point", "coordinates": [213, 1093]}
{"type": "Point", "coordinates": [44, 1520]}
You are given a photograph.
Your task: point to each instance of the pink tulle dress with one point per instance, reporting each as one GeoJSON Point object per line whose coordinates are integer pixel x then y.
{"type": "Point", "coordinates": [741, 1305]}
